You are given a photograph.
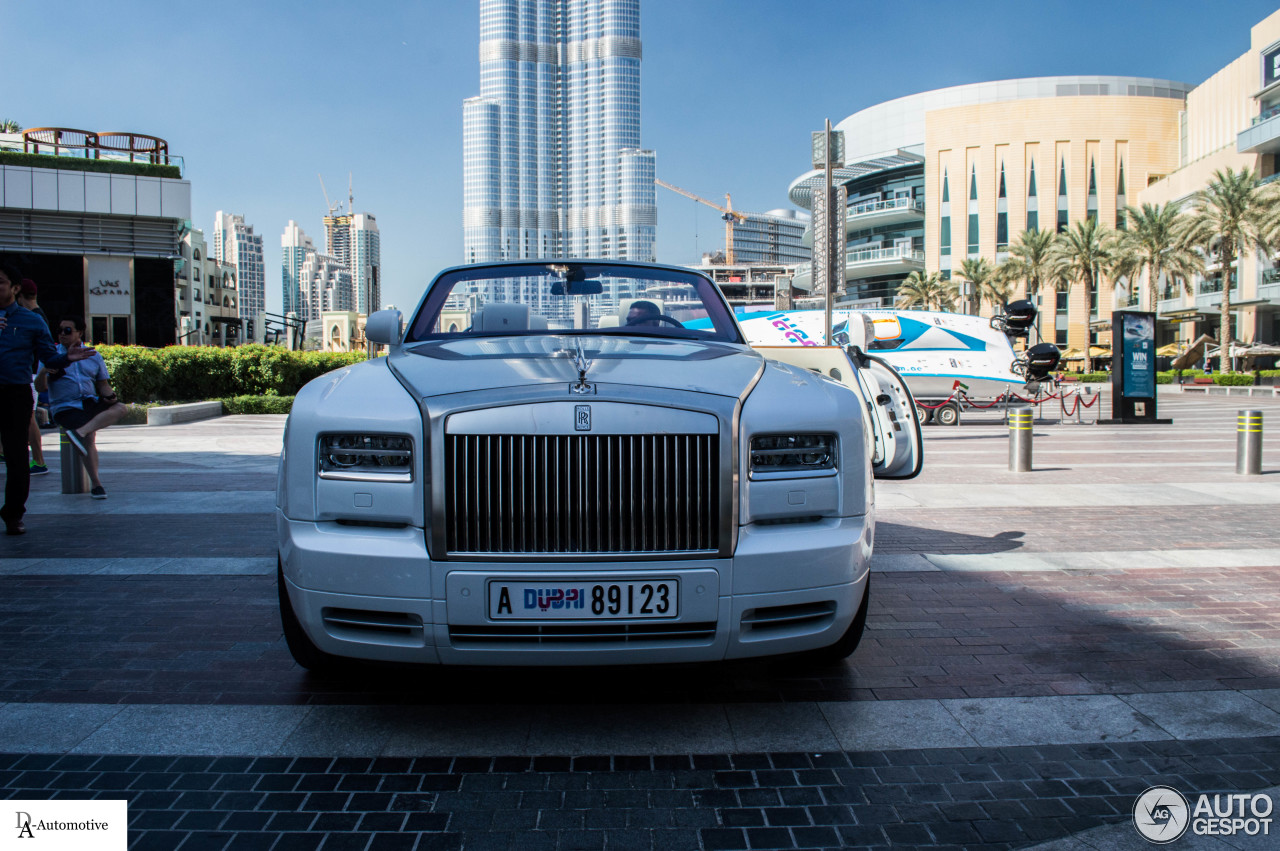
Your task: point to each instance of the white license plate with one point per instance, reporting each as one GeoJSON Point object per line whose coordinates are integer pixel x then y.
{"type": "Point", "coordinates": [648, 598]}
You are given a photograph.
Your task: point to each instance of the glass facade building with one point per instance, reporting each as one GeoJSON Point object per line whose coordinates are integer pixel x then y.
{"type": "Point", "coordinates": [552, 161]}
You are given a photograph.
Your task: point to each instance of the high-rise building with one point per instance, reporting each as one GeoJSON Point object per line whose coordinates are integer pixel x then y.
{"type": "Point", "coordinates": [235, 244]}
{"type": "Point", "coordinates": [325, 285]}
{"type": "Point", "coordinates": [295, 246]}
{"type": "Point", "coordinates": [354, 240]}
{"type": "Point", "coordinates": [553, 165]}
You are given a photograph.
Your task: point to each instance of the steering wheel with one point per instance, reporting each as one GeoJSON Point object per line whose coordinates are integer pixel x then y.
{"type": "Point", "coordinates": [657, 317]}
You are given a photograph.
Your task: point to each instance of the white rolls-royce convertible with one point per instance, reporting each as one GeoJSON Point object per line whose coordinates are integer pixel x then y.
{"type": "Point", "coordinates": [584, 463]}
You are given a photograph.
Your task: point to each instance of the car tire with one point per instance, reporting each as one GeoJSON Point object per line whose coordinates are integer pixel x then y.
{"type": "Point", "coordinates": [304, 652]}
{"type": "Point", "coordinates": [923, 414]}
{"type": "Point", "coordinates": [847, 643]}
{"type": "Point", "coordinates": [947, 415]}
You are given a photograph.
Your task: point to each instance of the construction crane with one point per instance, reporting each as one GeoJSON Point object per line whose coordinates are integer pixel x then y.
{"type": "Point", "coordinates": [730, 216]}
{"type": "Point", "coordinates": [333, 208]}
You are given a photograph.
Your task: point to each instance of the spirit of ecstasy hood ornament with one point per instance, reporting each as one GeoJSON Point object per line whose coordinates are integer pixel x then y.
{"type": "Point", "coordinates": [581, 363]}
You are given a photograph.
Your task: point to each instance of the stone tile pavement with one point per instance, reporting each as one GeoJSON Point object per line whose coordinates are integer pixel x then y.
{"type": "Point", "coordinates": [1041, 648]}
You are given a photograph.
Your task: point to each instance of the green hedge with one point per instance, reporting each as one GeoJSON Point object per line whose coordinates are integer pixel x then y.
{"type": "Point", "coordinates": [78, 164]}
{"type": "Point", "coordinates": [196, 373]}
{"type": "Point", "coordinates": [257, 405]}
{"type": "Point", "coordinates": [1233, 379]}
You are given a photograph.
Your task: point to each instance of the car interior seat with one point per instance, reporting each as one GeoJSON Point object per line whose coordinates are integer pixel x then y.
{"type": "Point", "coordinates": [501, 317]}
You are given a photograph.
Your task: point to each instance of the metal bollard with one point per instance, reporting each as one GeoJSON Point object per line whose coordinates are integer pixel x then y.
{"type": "Point", "coordinates": [1249, 443]}
{"type": "Point", "coordinates": [75, 478]}
{"type": "Point", "coordinates": [1020, 425]}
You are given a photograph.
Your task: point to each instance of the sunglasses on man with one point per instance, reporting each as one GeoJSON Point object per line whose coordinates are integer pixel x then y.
{"type": "Point", "coordinates": [66, 329]}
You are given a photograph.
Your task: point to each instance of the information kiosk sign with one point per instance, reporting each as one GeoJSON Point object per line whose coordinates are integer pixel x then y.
{"type": "Point", "coordinates": [1133, 366]}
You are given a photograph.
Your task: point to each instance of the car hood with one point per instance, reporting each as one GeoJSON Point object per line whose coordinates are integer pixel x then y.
{"type": "Point", "coordinates": [437, 368]}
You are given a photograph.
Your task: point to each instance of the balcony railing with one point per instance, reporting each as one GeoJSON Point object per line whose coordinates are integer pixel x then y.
{"type": "Point", "coordinates": [898, 252]}
{"type": "Point", "coordinates": [1214, 286]}
{"type": "Point", "coordinates": [1265, 114]}
{"type": "Point", "coordinates": [883, 206]}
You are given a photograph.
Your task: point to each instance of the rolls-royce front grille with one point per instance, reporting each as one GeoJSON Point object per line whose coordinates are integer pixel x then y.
{"type": "Point", "coordinates": [582, 493]}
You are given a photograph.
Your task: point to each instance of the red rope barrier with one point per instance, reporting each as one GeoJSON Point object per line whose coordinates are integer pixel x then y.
{"type": "Point", "coordinates": [939, 405]}
{"type": "Point", "coordinates": [1074, 407]}
{"type": "Point", "coordinates": [1096, 397]}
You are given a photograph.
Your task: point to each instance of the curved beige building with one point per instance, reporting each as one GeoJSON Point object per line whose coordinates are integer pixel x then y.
{"type": "Point", "coordinates": [993, 170]}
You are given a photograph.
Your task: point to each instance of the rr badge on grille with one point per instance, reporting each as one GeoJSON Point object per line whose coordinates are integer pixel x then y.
{"type": "Point", "coordinates": [582, 417]}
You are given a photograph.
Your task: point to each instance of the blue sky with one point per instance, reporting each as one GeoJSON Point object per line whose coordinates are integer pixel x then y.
{"type": "Point", "coordinates": [260, 97]}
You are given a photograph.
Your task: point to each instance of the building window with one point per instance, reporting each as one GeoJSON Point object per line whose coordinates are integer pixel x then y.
{"type": "Point", "coordinates": [1060, 305]}
{"type": "Point", "coordinates": [1121, 201]}
{"type": "Point", "coordinates": [944, 230]}
{"type": "Point", "coordinates": [1033, 203]}
{"type": "Point", "coordinates": [1091, 200]}
{"type": "Point", "coordinates": [1002, 214]}
{"type": "Point", "coordinates": [973, 210]}
{"type": "Point", "coordinates": [1062, 196]}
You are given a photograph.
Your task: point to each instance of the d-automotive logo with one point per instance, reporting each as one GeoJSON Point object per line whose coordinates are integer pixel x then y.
{"type": "Point", "coordinates": [58, 825]}
{"type": "Point", "coordinates": [1162, 814]}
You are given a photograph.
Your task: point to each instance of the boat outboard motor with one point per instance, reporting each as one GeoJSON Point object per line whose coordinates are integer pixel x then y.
{"type": "Point", "coordinates": [1037, 362]}
{"type": "Point", "coordinates": [1017, 319]}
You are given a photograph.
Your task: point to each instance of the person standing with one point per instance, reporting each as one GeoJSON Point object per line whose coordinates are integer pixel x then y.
{"type": "Point", "coordinates": [28, 298]}
{"type": "Point", "coordinates": [81, 399]}
{"type": "Point", "coordinates": [22, 336]}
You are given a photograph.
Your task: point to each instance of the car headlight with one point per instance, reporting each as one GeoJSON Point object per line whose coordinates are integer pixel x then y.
{"type": "Point", "coordinates": [793, 453]}
{"type": "Point", "coordinates": [366, 457]}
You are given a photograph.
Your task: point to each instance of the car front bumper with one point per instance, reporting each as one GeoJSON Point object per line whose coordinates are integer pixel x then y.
{"type": "Point", "coordinates": [374, 593]}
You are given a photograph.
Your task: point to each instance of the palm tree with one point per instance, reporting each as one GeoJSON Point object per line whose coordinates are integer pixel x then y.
{"type": "Point", "coordinates": [1080, 255]}
{"type": "Point", "coordinates": [927, 292]}
{"type": "Point", "coordinates": [1030, 260]}
{"type": "Point", "coordinates": [8, 125]}
{"type": "Point", "coordinates": [1234, 215]}
{"type": "Point", "coordinates": [989, 283]}
{"type": "Point", "coordinates": [1157, 242]}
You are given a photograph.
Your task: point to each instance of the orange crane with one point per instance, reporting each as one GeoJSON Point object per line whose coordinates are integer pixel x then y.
{"type": "Point", "coordinates": [730, 216]}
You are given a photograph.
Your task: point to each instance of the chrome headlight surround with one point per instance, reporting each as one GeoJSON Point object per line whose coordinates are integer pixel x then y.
{"type": "Point", "coordinates": [796, 455]}
{"type": "Point", "coordinates": [365, 457]}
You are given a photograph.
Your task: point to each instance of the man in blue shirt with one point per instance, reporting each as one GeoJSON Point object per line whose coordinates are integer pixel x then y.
{"type": "Point", "coordinates": [23, 335]}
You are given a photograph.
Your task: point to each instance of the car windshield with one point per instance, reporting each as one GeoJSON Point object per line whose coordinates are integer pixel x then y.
{"type": "Point", "coordinates": [567, 297]}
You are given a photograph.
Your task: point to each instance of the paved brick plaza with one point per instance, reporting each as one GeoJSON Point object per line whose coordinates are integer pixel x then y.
{"type": "Point", "coordinates": [1041, 647]}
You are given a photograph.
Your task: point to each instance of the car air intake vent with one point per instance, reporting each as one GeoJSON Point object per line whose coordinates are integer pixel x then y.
{"type": "Point", "coordinates": [388, 627]}
{"type": "Point", "coordinates": [792, 620]}
{"type": "Point", "coordinates": [582, 493]}
{"type": "Point", "coordinates": [595, 634]}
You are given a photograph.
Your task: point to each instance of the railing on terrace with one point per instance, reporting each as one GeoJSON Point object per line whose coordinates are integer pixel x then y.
{"type": "Point", "coordinates": [1214, 286]}
{"type": "Point", "coordinates": [882, 206]}
{"type": "Point", "coordinates": [1271, 276]}
{"type": "Point", "coordinates": [88, 144]}
{"type": "Point", "coordinates": [895, 253]}
{"type": "Point", "coordinates": [1266, 114]}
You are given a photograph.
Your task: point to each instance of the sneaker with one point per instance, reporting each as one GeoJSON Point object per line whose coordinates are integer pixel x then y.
{"type": "Point", "coordinates": [38, 469]}
{"type": "Point", "coordinates": [14, 527]}
{"type": "Point", "coordinates": [98, 492]}
{"type": "Point", "coordinates": [76, 440]}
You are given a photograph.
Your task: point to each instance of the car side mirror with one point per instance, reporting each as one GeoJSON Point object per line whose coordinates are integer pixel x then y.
{"type": "Point", "coordinates": [383, 328]}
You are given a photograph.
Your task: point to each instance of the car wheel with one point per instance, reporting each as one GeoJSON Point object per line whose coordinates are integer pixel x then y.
{"type": "Point", "coordinates": [948, 415]}
{"type": "Point", "coordinates": [923, 414]}
{"type": "Point", "coordinates": [847, 643]}
{"type": "Point", "coordinates": [304, 652]}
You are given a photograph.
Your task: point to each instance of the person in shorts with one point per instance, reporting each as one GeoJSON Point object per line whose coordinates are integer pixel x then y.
{"type": "Point", "coordinates": [81, 399]}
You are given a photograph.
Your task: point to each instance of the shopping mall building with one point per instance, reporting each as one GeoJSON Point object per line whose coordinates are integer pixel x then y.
{"type": "Point", "coordinates": [955, 173]}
